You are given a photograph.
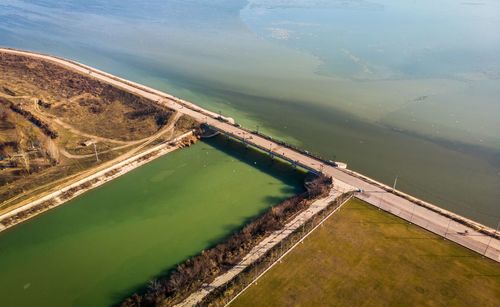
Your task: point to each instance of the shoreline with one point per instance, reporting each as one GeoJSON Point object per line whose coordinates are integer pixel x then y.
{"type": "Point", "coordinates": [72, 190]}
{"type": "Point", "coordinates": [438, 220]}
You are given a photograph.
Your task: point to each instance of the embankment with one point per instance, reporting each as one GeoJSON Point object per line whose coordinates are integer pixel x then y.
{"type": "Point", "coordinates": [68, 192]}
{"type": "Point", "coordinates": [205, 267]}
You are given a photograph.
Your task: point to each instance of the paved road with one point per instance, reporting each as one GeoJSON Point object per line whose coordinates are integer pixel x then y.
{"type": "Point", "coordinates": [344, 180]}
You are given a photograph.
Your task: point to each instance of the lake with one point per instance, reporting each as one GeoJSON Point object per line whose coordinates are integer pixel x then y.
{"type": "Point", "coordinates": [393, 88]}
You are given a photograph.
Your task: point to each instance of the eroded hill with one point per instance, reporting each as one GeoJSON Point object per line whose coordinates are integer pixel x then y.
{"type": "Point", "coordinates": [56, 123]}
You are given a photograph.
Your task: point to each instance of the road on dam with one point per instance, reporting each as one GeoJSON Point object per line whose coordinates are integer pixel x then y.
{"type": "Point", "coordinates": [444, 223]}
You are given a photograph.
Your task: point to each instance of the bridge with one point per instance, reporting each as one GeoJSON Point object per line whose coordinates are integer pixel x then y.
{"type": "Point", "coordinates": [468, 233]}
{"type": "Point", "coordinates": [273, 151]}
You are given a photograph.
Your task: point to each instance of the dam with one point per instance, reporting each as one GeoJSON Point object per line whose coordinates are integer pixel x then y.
{"type": "Point", "coordinates": [468, 233]}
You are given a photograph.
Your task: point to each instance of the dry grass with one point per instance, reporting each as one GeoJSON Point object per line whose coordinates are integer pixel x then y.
{"type": "Point", "coordinates": [362, 256]}
{"type": "Point", "coordinates": [106, 119]}
{"type": "Point", "coordinates": [84, 102]}
{"type": "Point", "coordinates": [38, 97]}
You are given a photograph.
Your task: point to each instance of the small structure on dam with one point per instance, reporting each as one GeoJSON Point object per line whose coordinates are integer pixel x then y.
{"type": "Point", "coordinates": [208, 132]}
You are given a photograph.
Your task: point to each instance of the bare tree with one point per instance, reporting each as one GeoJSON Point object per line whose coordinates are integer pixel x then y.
{"type": "Point", "coordinates": [155, 286]}
{"type": "Point", "coordinates": [51, 149]}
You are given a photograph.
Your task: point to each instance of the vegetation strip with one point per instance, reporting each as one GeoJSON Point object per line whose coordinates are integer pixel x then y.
{"type": "Point", "coordinates": [205, 267]}
{"type": "Point", "coordinates": [262, 248]}
{"type": "Point", "coordinates": [335, 208]}
{"type": "Point", "coordinates": [32, 118]}
{"type": "Point", "coordinates": [224, 295]}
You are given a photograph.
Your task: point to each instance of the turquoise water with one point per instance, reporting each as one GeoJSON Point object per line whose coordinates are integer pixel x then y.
{"type": "Point", "coordinates": [103, 246]}
{"type": "Point", "coordinates": [408, 88]}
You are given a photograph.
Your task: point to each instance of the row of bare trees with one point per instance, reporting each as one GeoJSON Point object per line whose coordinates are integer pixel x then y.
{"type": "Point", "coordinates": [27, 213]}
{"type": "Point", "coordinates": [33, 119]}
{"type": "Point", "coordinates": [203, 268]}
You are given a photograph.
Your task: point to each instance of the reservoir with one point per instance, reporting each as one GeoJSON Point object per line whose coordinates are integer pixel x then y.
{"type": "Point", "coordinates": [100, 247]}
{"type": "Point", "coordinates": [394, 88]}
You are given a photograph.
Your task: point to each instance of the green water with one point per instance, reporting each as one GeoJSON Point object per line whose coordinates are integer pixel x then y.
{"type": "Point", "coordinates": [392, 87]}
{"type": "Point", "coordinates": [100, 247]}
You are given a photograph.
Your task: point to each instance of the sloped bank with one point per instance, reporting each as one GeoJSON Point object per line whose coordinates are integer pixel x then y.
{"type": "Point", "coordinates": [71, 191]}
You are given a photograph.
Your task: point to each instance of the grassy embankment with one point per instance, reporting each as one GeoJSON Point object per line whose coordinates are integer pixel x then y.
{"type": "Point", "coordinates": [362, 256]}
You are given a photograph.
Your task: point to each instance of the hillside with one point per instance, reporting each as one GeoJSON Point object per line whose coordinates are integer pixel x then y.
{"type": "Point", "coordinates": [55, 123]}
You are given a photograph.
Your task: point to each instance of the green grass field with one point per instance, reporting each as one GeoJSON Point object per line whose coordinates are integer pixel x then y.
{"type": "Point", "coordinates": [363, 256]}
